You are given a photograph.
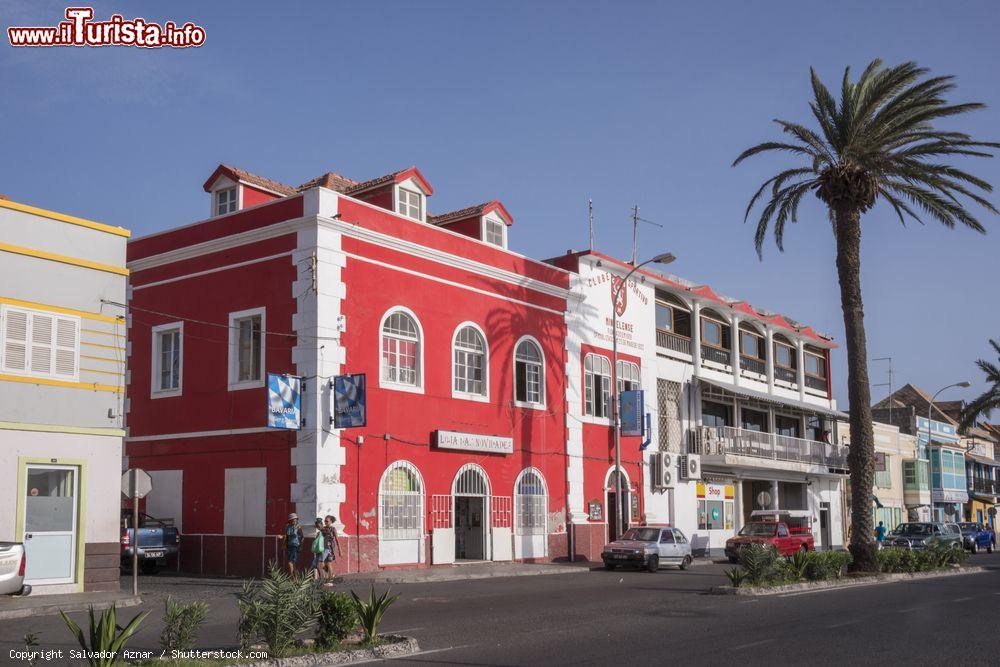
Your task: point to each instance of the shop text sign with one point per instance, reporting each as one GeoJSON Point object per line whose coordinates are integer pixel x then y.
{"type": "Point", "coordinates": [473, 442]}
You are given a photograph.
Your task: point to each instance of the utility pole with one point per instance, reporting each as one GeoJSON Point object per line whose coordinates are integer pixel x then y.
{"type": "Point", "coordinates": [590, 218]}
{"type": "Point", "coordinates": [886, 384]}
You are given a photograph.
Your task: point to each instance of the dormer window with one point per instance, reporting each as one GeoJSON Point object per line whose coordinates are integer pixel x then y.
{"type": "Point", "coordinates": [494, 232]}
{"type": "Point", "coordinates": [410, 204]}
{"type": "Point", "coordinates": [226, 201]}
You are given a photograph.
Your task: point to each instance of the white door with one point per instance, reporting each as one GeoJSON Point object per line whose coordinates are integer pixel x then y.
{"type": "Point", "coordinates": [51, 514]}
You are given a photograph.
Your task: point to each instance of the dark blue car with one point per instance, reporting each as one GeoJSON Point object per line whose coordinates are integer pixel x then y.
{"type": "Point", "coordinates": [976, 536]}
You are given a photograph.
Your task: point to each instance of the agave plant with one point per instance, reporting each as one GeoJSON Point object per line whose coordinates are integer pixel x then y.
{"type": "Point", "coordinates": [736, 576]}
{"type": "Point", "coordinates": [370, 612]}
{"type": "Point", "coordinates": [798, 564]}
{"type": "Point", "coordinates": [276, 610]}
{"type": "Point", "coordinates": [107, 638]}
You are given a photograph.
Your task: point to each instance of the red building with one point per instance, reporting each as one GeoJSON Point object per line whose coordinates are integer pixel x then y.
{"type": "Point", "coordinates": [461, 341]}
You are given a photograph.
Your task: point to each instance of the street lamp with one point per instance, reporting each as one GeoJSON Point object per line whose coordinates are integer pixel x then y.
{"type": "Point", "coordinates": [663, 258]}
{"type": "Point", "coordinates": [930, 407]}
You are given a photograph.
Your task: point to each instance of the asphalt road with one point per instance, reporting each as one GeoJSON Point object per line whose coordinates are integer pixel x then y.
{"type": "Point", "coordinates": [638, 618]}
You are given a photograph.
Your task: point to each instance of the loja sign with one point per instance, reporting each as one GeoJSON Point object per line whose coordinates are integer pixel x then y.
{"type": "Point", "coordinates": [491, 444]}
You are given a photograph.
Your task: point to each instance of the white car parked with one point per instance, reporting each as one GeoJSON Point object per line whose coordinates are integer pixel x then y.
{"type": "Point", "coordinates": [12, 564]}
{"type": "Point", "coordinates": [648, 547]}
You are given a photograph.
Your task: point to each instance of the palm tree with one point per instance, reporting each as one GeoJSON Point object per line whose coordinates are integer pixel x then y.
{"type": "Point", "coordinates": [989, 400]}
{"type": "Point", "coordinates": [879, 141]}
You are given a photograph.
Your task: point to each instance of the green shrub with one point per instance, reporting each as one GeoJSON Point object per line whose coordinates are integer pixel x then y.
{"type": "Point", "coordinates": [370, 612]}
{"type": "Point", "coordinates": [826, 565]}
{"type": "Point", "coordinates": [761, 564]}
{"type": "Point", "coordinates": [736, 576]}
{"type": "Point", "coordinates": [893, 560]}
{"type": "Point", "coordinates": [337, 619]}
{"type": "Point", "coordinates": [180, 624]}
{"type": "Point", "coordinates": [107, 638]}
{"type": "Point", "coordinates": [798, 564]}
{"type": "Point", "coordinates": [276, 610]}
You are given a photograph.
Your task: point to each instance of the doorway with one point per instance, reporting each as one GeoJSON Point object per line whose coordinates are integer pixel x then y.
{"type": "Point", "coordinates": [470, 533]}
{"type": "Point", "coordinates": [51, 523]}
{"type": "Point", "coordinates": [617, 524]}
{"type": "Point", "coordinates": [824, 526]}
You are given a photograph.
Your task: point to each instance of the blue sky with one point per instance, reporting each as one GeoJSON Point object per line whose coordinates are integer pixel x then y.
{"type": "Point", "coordinates": [542, 105]}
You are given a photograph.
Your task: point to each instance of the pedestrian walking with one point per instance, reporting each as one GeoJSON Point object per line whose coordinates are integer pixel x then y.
{"type": "Point", "coordinates": [317, 550]}
{"type": "Point", "coordinates": [293, 541]}
{"type": "Point", "coordinates": [331, 544]}
{"type": "Point", "coordinates": [879, 535]}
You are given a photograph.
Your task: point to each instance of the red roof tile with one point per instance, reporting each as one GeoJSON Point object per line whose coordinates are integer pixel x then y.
{"type": "Point", "coordinates": [244, 176]}
{"type": "Point", "coordinates": [330, 181]}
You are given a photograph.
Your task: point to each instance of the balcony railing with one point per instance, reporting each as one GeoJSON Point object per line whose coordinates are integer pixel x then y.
{"type": "Point", "coordinates": [715, 354]}
{"type": "Point", "coordinates": [985, 486]}
{"type": "Point", "coordinates": [784, 374]}
{"type": "Point", "coordinates": [753, 365]}
{"type": "Point", "coordinates": [716, 441]}
{"type": "Point", "coordinates": [819, 384]}
{"type": "Point", "coordinates": [672, 341]}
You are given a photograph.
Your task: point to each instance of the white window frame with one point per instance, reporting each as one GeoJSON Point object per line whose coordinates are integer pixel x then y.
{"type": "Point", "coordinates": [540, 405]}
{"type": "Point", "coordinates": [234, 349]}
{"type": "Point", "coordinates": [417, 388]}
{"type": "Point", "coordinates": [30, 313]}
{"type": "Point", "coordinates": [417, 498]}
{"type": "Point", "coordinates": [634, 375]}
{"type": "Point", "coordinates": [155, 358]}
{"type": "Point", "coordinates": [400, 204]}
{"type": "Point", "coordinates": [484, 397]}
{"type": "Point", "coordinates": [589, 411]}
{"type": "Point", "coordinates": [488, 220]}
{"type": "Point", "coordinates": [234, 201]}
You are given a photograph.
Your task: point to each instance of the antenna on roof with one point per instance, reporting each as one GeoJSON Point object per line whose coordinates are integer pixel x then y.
{"type": "Point", "coordinates": [590, 218]}
{"type": "Point", "coordinates": [886, 384]}
{"type": "Point", "coordinates": [635, 230]}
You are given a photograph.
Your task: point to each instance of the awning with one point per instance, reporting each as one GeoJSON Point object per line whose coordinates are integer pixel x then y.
{"type": "Point", "coordinates": [775, 400]}
{"type": "Point", "coordinates": [985, 460]}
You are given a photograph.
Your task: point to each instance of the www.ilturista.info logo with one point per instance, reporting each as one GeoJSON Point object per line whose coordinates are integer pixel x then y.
{"type": "Point", "coordinates": [79, 29]}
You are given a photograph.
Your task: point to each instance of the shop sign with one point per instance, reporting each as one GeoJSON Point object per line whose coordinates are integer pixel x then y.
{"type": "Point", "coordinates": [635, 506]}
{"type": "Point", "coordinates": [284, 401]}
{"type": "Point", "coordinates": [491, 444]}
{"type": "Point", "coordinates": [350, 401]}
{"type": "Point", "coordinates": [633, 409]}
{"type": "Point", "coordinates": [716, 491]}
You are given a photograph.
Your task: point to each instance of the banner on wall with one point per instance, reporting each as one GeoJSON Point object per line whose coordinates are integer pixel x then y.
{"type": "Point", "coordinates": [284, 401]}
{"type": "Point", "coordinates": [633, 411]}
{"type": "Point", "coordinates": [349, 401]}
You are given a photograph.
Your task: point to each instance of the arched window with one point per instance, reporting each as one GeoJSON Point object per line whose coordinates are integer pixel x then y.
{"type": "Point", "coordinates": [401, 502]}
{"type": "Point", "coordinates": [470, 362]}
{"type": "Point", "coordinates": [597, 386]}
{"type": "Point", "coordinates": [627, 374]}
{"type": "Point", "coordinates": [529, 374]}
{"type": "Point", "coordinates": [530, 500]}
{"type": "Point", "coordinates": [470, 481]}
{"type": "Point", "coordinates": [401, 349]}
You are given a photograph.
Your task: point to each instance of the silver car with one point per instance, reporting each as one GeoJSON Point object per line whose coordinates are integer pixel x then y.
{"type": "Point", "coordinates": [12, 564]}
{"type": "Point", "coordinates": [648, 547]}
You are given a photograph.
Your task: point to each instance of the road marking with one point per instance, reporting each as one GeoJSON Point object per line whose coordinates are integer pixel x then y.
{"type": "Point", "coordinates": [907, 611]}
{"type": "Point", "coordinates": [395, 632]}
{"type": "Point", "coordinates": [751, 644]}
{"type": "Point", "coordinates": [840, 625]}
{"type": "Point", "coordinates": [961, 599]}
{"type": "Point", "coordinates": [411, 655]}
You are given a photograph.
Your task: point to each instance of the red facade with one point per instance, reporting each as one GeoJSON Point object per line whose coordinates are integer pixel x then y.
{"type": "Point", "coordinates": [200, 274]}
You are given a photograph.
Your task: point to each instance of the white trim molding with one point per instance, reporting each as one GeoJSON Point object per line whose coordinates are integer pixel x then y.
{"type": "Point", "coordinates": [155, 391]}
{"type": "Point", "coordinates": [465, 395]}
{"type": "Point", "coordinates": [235, 384]}
{"type": "Point", "coordinates": [417, 388]}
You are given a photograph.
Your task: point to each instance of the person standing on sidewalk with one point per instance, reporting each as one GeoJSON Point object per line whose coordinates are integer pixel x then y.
{"type": "Point", "coordinates": [293, 541]}
{"type": "Point", "coordinates": [880, 535]}
{"type": "Point", "coordinates": [331, 543]}
{"type": "Point", "coordinates": [317, 550]}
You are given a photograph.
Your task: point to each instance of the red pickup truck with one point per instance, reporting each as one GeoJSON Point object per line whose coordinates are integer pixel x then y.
{"type": "Point", "coordinates": [777, 534]}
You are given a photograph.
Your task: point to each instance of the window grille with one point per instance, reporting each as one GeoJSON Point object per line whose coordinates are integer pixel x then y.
{"type": "Point", "coordinates": [400, 350]}
{"type": "Point", "coordinates": [401, 503]}
{"type": "Point", "coordinates": [471, 481]}
{"type": "Point", "coordinates": [668, 399]}
{"type": "Point", "coordinates": [470, 362]}
{"type": "Point", "coordinates": [531, 505]}
{"type": "Point", "coordinates": [441, 506]}
{"type": "Point", "coordinates": [500, 513]}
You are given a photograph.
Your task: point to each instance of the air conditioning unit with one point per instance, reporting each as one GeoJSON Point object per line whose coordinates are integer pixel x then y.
{"type": "Point", "coordinates": [664, 474]}
{"type": "Point", "coordinates": [690, 466]}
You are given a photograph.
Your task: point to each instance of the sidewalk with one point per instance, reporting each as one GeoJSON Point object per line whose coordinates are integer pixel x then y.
{"type": "Point", "coordinates": [45, 605]}
{"type": "Point", "coordinates": [464, 571]}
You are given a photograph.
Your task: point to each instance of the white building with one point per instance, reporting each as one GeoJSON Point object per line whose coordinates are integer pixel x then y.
{"type": "Point", "coordinates": [741, 409]}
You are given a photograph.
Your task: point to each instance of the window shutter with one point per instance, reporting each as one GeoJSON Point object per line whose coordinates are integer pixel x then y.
{"type": "Point", "coordinates": [41, 343]}
{"type": "Point", "coordinates": [67, 335]}
{"type": "Point", "coordinates": [15, 350]}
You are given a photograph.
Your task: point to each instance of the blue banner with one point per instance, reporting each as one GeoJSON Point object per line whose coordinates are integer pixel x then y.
{"type": "Point", "coordinates": [284, 401]}
{"type": "Point", "coordinates": [349, 409]}
{"type": "Point", "coordinates": [633, 412]}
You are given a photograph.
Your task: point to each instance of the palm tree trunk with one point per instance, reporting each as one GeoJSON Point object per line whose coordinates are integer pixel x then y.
{"type": "Point", "coordinates": [860, 459]}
